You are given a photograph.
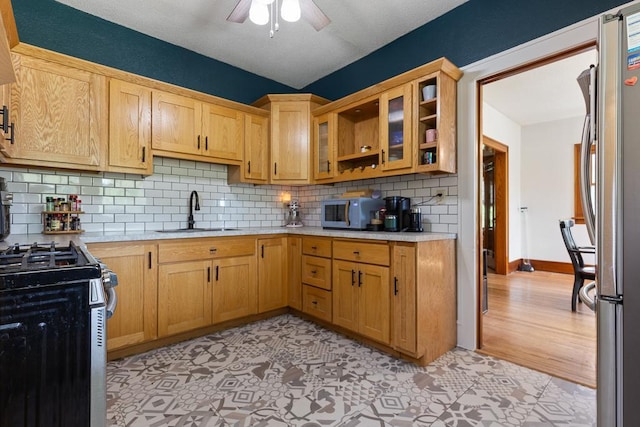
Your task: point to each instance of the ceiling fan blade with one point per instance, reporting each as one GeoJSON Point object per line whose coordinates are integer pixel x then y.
{"type": "Point", "coordinates": [240, 13]}
{"type": "Point", "coordinates": [312, 13]}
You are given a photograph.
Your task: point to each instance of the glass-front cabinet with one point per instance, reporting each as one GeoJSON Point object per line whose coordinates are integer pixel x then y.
{"type": "Point", "coordinates": [395, 128]}
{"type": "Point", "coordinates": [324, 146]}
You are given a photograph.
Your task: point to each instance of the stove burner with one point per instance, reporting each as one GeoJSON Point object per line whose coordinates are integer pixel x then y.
{"type": "Point", "coordinates": [38, 256]}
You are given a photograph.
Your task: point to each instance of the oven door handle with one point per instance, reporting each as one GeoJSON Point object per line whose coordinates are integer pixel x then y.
{"type": "Point", "coordinates": [112, 301]}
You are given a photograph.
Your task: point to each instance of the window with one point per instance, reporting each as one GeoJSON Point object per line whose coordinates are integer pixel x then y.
{"type": "Point", "coordinates": [578, 216]}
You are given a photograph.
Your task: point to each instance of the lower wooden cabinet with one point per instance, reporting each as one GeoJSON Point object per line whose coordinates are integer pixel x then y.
{"type": "Point", "coordinates": [234, 288]}
{"type": "Point", "coordinates": [135, 318]}
{"type": "Point", "coordinates": [361, 299]}
{"type": "Point", "coordinates": [294, 273]}
{"type": "Point", "coordinates": [184, 296]}
{"type": "Point", "coordinates": [317, 302]}
{"type": "Point", "coordinates": [424, 299]}
{"type": "Point", "coordinates": [272, 272]}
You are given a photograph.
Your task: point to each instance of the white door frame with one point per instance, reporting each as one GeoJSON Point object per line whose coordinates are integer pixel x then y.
{"type": "Point", "coordinates": [469, 130]}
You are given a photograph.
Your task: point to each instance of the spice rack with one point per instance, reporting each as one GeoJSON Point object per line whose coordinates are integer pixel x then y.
{"type": "Point", "coordinates": [61, 217]}
{"type": "Point", "coordinates": [61, 222]}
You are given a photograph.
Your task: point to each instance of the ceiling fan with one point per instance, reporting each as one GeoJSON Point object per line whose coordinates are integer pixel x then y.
{"type": "Point", "coordinates": [294, 9]}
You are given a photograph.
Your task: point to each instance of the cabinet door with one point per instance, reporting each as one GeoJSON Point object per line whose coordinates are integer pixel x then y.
{"type": "Point", "coordinates": [373, 302]}
{"type": "Point", "coordinates": [294, 272]}
{"type": "Point", "coordinates": [234, 288]}
{"type": "Point", "coordinates": [256, 154]}
{"type": "Point", "coordinates": [404, 298]}
{"type": "Point", "coordinates": [129, 128]}
{"type": "Point", "coordinates": [395, 128]}
{"type": "Point", "coordinates": [290, 142]}
{"type": "Point", "coordinates": [272, 271]}
{"type": "Point", "coordinates": [223, 131]}
{"type": "Point", "coordinates": [345, 294]}
{"type": "Point", "coordinates": [176, 123]}
{"type": "Point", "coordinates": [59, 114]}
{"type": "Point", "coordinates": [324, 139]}
{"type": "Point", "coordinates": [135, 318]}
{"type": "Point", "coordinates": [184, 297]}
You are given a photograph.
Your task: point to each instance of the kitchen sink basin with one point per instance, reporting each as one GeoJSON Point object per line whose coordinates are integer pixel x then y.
{"type": "Point", "coordinates": [194, 230]}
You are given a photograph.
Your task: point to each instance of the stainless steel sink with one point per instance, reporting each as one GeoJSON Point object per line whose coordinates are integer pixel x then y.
{"type": "Point", "coordinates": [194, 230]}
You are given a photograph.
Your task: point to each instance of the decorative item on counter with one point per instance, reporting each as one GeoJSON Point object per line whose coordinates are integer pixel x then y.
{"type": "Point", "coordinates": [293, 220]}
{"type": "Point", "coordinates": [49, 206]}
{"type": "Point", "coordinates": [60, 216]}
{"type": "Point", "coordinates": [365, 148]}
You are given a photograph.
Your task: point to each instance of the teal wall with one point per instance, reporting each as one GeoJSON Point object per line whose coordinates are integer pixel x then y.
{"type": "Point", "coordinates": [472, 31]}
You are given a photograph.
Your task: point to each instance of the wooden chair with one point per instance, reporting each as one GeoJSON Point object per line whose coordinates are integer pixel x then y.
{"type": "Point", "coordinates": [580, 272]}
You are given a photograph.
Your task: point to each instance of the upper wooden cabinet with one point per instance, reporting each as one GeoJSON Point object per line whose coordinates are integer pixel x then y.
{"type": "Point", "coordinates": [255, 168]}
{"type": "Point", "coordinates": [290, 136]}
{"type": "Point", "coordinates": [59, 114]}
{"type": "Point", "coordinates": [195, 129]}
{"type": "Point", "coordinates": [324, 137]}
{"type": "Point", "coordinates": [382, 130]}
{"type": "Point", "coordinates": [129, 128]}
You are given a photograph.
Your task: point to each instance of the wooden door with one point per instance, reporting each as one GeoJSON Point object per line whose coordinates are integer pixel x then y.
{"type": "Point", "coordinates": [396, 128]}
{"type": "Point", "coordinates": [223, 130]}
{"type": "Point", "coordinates": [404, 298]}
{"type": "Point", "coordinates": [59, 114]}
{"type": "Point", "coordinates": [272, 273]}
{"type": "Point", "coordinates": [294, 272]}
{"type": "Point", "coordinates": [129, 128]}
{"type": "Point", "coordinates": [234, 288]}
{"type": "Point", "coordinates": [290, 142]}
{"type": "Point", "coordinates": [256, 154]}
{"type": "Point", "coordinates": [184, 297]}
{"type": "Point", "coordinates": [135, 318]}
{"type": "Point", "coordinates": [176, 123]}
{"type": "Point", "coordinates": [345, 294]}
{"type": "Point", "coordinates": [374, 302]}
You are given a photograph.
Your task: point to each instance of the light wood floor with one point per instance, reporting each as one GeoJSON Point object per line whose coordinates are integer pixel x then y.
{"type": "Point", "coordinates": [530, 323]}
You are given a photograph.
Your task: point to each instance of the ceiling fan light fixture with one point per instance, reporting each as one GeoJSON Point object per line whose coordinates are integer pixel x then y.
{"type": "Point", "coordinates": [290, 11]}
{"type": "Point", "coordinates": [259, 12]}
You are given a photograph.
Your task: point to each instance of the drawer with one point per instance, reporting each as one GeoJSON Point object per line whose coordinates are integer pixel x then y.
{"type": "Point", "coordinates": [196, 249]}
{"type": "Point", "coordinates": [365, 252]}
{"type": "Point", "coordinates": [316, 271]}
{"type": "Point", "coordinates": [316, 302]}
{"type": "Point", "coordinates": [317, 246]}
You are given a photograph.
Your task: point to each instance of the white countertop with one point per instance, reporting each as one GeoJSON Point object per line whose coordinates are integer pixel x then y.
{"type": "Point", "coordinates": [154, 235]}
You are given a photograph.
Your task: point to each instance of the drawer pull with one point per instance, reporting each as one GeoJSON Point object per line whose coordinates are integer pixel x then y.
{"type": "Point", "coordinates": [315, 248]}
{"type": "Point", "coordinates": [314, 302]}
{"type": "Point", "coordinates": [212, 251]}
{"type": "Point", "coordinates": [314, 272]}
{"type": "Point", "coordinates": [356, 253]}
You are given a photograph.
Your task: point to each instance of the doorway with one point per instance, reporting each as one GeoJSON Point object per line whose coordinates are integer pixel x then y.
{"type": "Point", "coordinates": [524, 297]}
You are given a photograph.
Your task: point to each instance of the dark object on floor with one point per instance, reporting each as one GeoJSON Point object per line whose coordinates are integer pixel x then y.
{"type": "Point", "coordinates": [580, 272]}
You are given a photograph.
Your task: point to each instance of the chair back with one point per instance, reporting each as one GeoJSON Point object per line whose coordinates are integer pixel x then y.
{"type": "Point", "coordinates": [570, 244]}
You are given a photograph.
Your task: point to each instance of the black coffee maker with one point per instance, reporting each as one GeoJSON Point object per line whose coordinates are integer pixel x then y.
{"type": "Point", "coordinates": [400, 209]}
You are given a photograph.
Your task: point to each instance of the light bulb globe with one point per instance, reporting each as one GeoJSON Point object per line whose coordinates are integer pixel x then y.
{"type": "Point", "coordinates": [290, 10]}
{"type": "Point", "coordinates": [259, 13]}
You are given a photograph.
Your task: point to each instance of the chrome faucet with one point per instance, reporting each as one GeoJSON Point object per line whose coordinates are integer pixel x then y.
{"type": "Point", "coordinates": [190, 221]}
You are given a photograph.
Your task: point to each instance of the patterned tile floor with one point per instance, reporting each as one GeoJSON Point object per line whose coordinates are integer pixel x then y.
{"type": "Point", "coordinates": [286, 371]}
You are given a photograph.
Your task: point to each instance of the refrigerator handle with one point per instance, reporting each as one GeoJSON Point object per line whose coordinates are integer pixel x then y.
{"type": "Point", "coordinates": [585, 178]}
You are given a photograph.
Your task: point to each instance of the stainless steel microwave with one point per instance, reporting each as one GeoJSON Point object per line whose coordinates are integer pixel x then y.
{"type": "Point", "coordinates": [352, 214]}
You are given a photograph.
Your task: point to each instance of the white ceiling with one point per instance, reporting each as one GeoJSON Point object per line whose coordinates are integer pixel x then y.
{"type": "Point", "coordinates": [542, 94]}
{"type": "Point", "coordinates": [297, 55]}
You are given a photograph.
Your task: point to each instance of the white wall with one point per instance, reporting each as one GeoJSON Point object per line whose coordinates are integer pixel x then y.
{"type": "Point", "coordinates": [548, 186]}
{"type": "Point", "coordinates": [497, 126]}
{"type": "Point", "coordinates": [116, 202]}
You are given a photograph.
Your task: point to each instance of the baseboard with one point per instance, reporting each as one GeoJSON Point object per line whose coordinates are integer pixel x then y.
{"type": "Point", "coordinates": [543, 265]}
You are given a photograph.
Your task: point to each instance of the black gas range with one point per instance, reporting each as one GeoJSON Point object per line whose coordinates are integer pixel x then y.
{"type": "Point", "coordinates": [54, 302]}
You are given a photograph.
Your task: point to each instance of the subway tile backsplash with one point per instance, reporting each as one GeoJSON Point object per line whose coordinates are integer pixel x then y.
{"type": "Point", "coordinates": [115, 202]}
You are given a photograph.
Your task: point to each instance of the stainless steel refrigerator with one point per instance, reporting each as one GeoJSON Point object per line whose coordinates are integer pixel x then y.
{"type": "Point", "coordinates": [612, 125]}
